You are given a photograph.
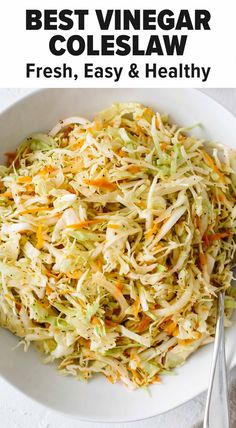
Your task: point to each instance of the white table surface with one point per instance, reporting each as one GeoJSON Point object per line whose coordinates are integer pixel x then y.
{"type": "Point", "coordinates": [18, 411]}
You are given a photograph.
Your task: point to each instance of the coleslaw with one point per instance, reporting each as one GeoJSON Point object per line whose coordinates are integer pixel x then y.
{"type": "Point", "coordinates": [116, 237]}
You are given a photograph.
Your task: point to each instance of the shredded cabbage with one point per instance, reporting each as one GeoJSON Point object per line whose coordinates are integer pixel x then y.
{"type": "Point", "coordinates": [116, 237]}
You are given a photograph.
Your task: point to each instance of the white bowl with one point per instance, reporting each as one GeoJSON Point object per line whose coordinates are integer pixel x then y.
{"type": "Point", "coordinates": [98, 400]}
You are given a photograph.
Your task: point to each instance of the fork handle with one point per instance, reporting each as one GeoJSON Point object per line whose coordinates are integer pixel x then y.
{"type": "Point", "coordinates": [217, 405]}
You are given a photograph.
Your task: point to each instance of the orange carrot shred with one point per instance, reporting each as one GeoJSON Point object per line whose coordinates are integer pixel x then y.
{"type": "Point", "coordinates": [78, 145]}
{"type": "Point", "coordinates": [121, 153]}
{"type": "Point", "coordinates": [74, 275]}
{"type": "Point", "coordinates": [144, 324]}
{"type": "Point", "coordinates": [175, 332]}
{"type": "Point", "coordinates": [156, 379]}
{"type": "Point", "coordinates": [24, 179]}
{"type": "Point", "coordinates": [152, 231]}
{"type": "Point", "coordinates": [163, 146]}
{"type": "Point", "coordinates": [216, 236]}
{"type": "Point", "coordinates": [207, 239]}
{"type": "Point", "coordinates": [7, 194]}
{"type": "Point", "coordinates": [113, 226]}
{"type": "Point", "coordinates": [183, 342]}
{"type": "Point", "coordinates": [170, 328]}
{"type": "Point", "coordinates": [99, 264]}
{"type": "Point", "coordinates": [110, 323]}
{"type": "Point", "coordinates": [120, 286]}
{"type": "Point", "coordinates": [203, 259]}
{"type": "Point", "coordinates": [39, 237]}
{"type": "Point", "coordinates": [48, 290]}
{"type": "Point", "coordinates": [134, 169]}
{"type": "Point", "coordinates": [210, 162]}
{"type": "Point", "coordinates": [33, 210]}
{"type": "Point", "coordinates": [48, 169]}
{"type": "Point", "coordinates": [102, 183]}
{"type": "Point", "coordinates": [95, 320]}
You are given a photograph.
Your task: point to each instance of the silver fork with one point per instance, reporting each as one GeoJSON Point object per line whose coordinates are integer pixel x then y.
{"type": "Point", "coordinates": [217, 404]}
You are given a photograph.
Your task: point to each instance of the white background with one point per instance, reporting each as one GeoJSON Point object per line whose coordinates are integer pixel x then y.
{"type": "Point", "coordinates": [17, 411]}
{"type": "Point", "coordinates": [215, 48]}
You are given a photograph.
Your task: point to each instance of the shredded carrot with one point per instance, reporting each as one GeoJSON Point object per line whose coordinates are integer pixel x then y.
{"type": "Point", "coordinates": [175, 332]}
{"type": "Point", "coordinates": [136, 307]}
{"type": "Point", "coordinates": [158, 306]}
{"type": "Point", "coordinates": [110, 323]}
{"type": "Point", "coordinates": [110, 379]}
{"type": "Point", "coordinates": [144, 324]}
{"type": "Point", "coordinates": [33, 210]}
{"type": "Point", "coordinates": [46, 304]}
{"type": "Point", "coordinates": [163, 146]}
{"type": "Point", "coordinates": [148, 114]}
{"type": "Point", "coordinates": [18, 306]}
{"type": "Point", "coordinates": [157, 123]}
{"type": "Point", "coordinates": [117, 293]}
{"type": "Point", "coordinates": [121, 153]}
{"type": "Point", "coordinates": [203, 259]}
{"type": "Point", "coordinates": [29, 188]}
{"type": "Point", "coordinates": [189, 341]}
{"type": "Point", "coordinates": [216, 236]}
{"type": "Point", "coordinates": [134, 169]}
{"type": "Point", "coordinates": [207, 239]}
{"type": "Point", "coordinates": [7, 194]}
{"type": "Point", "coordinates": [83, 224]}
{"type": "Point", "coordinates": [183, 342]}
{"type": "Point", "coordinates": [84, 342]}
{"type": "Point", "coordinates": [24, 180]}
{"type": "Point", "coordinates": [170, 328]}
{"type": "Point", "coordinates": [156, 379]}
{"type": "Point", "coordinates": [99, 264]}
{"type": "Point", "coordinates": [152, 231]}
{"type": "Point", "coordinates": [197, 222]}
{"type": "Point", "coordinates": [102, 183]}
{"type": "Point", "coordinates": [78, 145]}
{"type": "Point", "coordinates": [95, 320]}
{"type": "Point", "coordinates": [221, 197]}
{"type": "Point", "coordinates": [119, 285]}
{"type": "Point", "coordinates": [113, 226]}
{"type": "Point", "coordinates": [198, 334]}
{"type": "Point", "coordinates": [210, 162]}
{"type": "Point", "coordinates": [50, 274]}
{"type": "Point", "coordinates": [182, 138]}
{"type": "Point", "coordinates": [165, 322]}
{"type": "Point", "coordinates": [48, 290]}
{"type": "Point", "coordinates": [39, 237]}
{"type": "Point", "coordinates": [74, 275]}
{"type": "Point", "coordinates": [48, 169]}
{"type": "Point", "coordinates": [71, 190]}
